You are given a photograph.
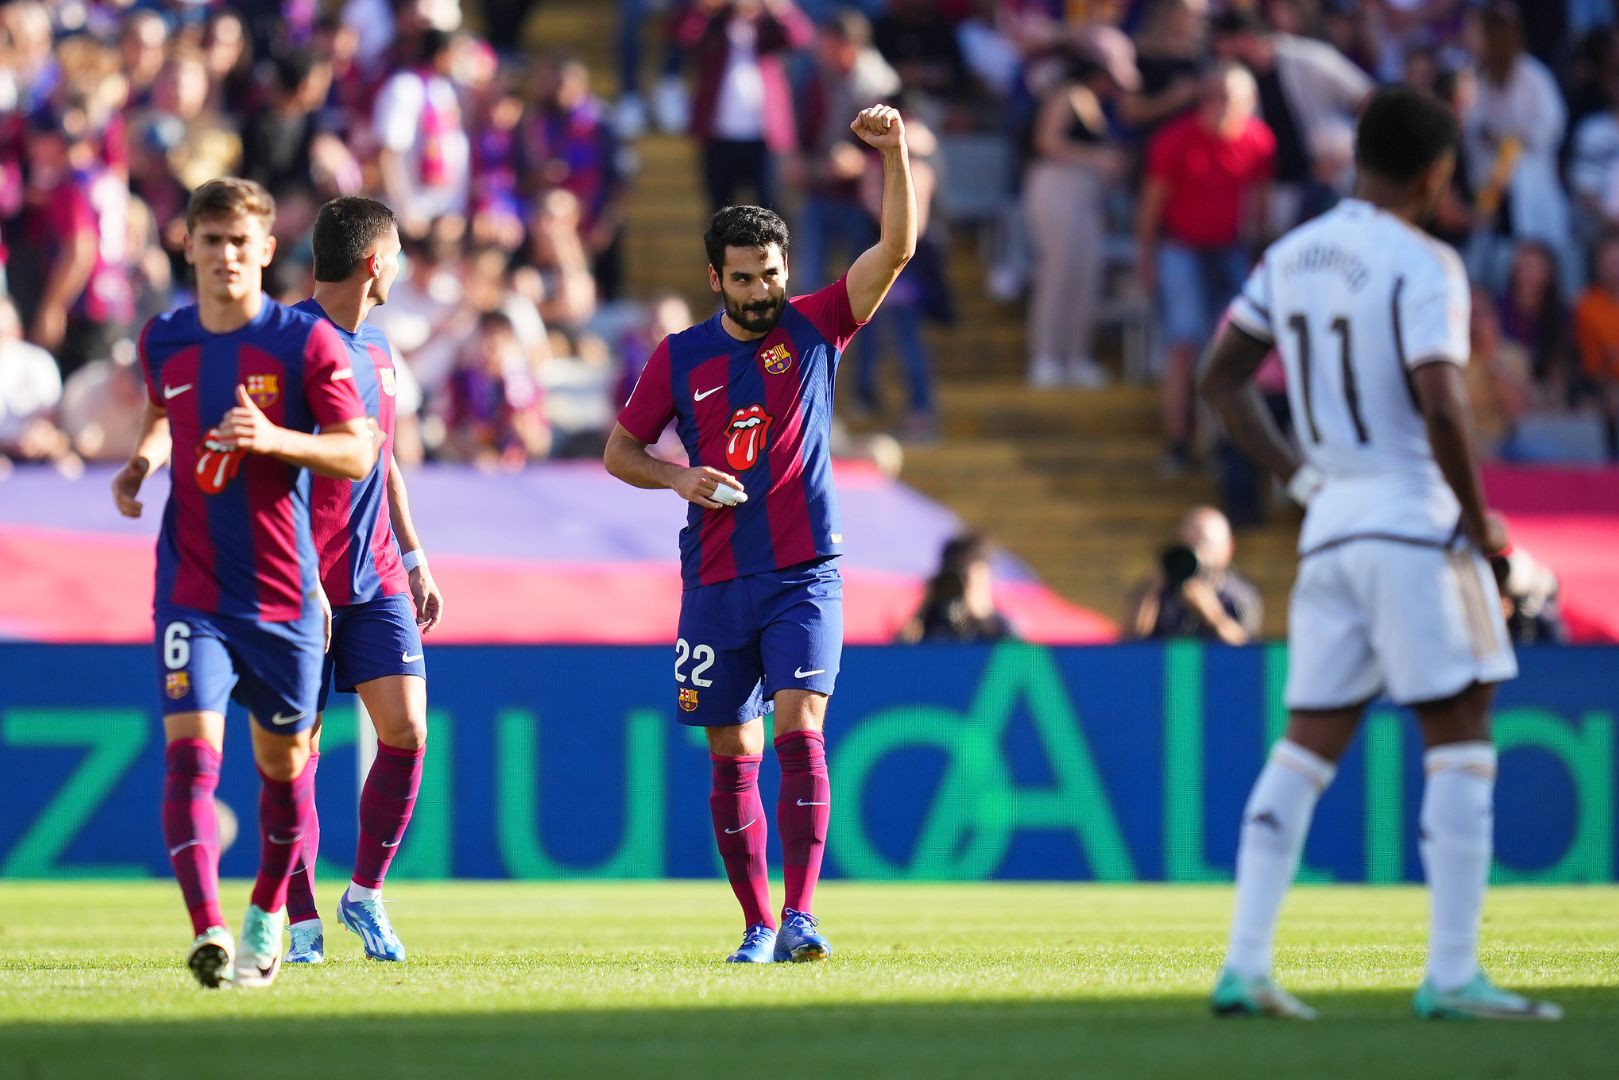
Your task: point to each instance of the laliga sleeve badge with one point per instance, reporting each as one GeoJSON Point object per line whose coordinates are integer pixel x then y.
{"type": "Point", "coordinates": [217, 463]}
{"type": "Point", "coordinates": [688, 700]}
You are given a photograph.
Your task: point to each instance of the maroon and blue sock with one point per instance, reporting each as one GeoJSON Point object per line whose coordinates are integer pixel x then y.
{"type": "Point", "coordinates": [802, 812]}
{"type": "Point", "coordinates": [191, 827]}
{"type": "Point", "coordinates": [386, 802]}
{"type": "Point", "coordinates": [301, 889]}
{"type": "Point", "coordinates": [741, 832]}
{"type": "Point", "coordinates": [284, 807]}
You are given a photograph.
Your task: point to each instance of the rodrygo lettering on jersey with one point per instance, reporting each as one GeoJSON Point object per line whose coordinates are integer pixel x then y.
{"type": "Point", "coordinates": [1355, 301]}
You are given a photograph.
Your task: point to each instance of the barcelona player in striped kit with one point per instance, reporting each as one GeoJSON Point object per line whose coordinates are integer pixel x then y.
{"type": "Point", "coordinates": [374, 573]}
{"type": "Point", "coordinates": [237, 387]}
{"type": "Point", "coordinates": [761, 619]}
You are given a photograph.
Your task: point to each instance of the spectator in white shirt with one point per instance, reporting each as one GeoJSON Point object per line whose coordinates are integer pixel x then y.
{"type": "Point", "coordinates": [1593, 165]}
{"type": "Point", "coordinates": [425, 153]}
{"type": "Point", "coordinates": [1512, 135]}
{"type": "Point", "coordinates": [30, 390]}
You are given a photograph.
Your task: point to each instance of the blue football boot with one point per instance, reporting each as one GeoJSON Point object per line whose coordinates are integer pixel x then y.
{"type": "Point", "coordinates": [799, 940]}
{"type": "Point", "coordinates": [308, 942]}
{"type": "Point", "coordinates": [758, 944]}
{"type": "Point", "coordinates": [367, 919]}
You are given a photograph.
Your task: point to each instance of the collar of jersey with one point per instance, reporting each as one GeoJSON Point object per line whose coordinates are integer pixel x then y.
{"type": "Point", "coordinates": [252, 324]}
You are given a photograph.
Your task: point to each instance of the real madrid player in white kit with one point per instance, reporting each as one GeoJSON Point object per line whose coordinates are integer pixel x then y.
{"type": "Point", "coordinates": [1393, 594]}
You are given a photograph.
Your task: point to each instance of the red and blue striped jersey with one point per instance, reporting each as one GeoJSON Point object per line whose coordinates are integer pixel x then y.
{"type": "Point", "coordinates": [760, 410]}
{"type": "Point", "coordinates": [235, 538]}
{"type": "Point", "coordinates": [359, 559]}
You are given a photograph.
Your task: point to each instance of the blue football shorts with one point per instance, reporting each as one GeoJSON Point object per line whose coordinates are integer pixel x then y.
{"type": "Point", "coordinates": [742, 641]}
{"type": "Point", "coordinates": [205, 660]}
{"type": "Point", "coordinates": [372, 640]}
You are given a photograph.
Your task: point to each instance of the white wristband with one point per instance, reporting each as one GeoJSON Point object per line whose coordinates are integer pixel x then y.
{"type": "Point", "coordinates": [1304, 483]}
{"type": "Point", "coordinates": [413, 558]}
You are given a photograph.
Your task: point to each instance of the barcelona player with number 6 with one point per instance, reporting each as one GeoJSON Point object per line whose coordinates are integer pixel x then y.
{"type": "Point", "coordinates": [761, 618]}
{"type": "Point", "coordinates": [243, 384]}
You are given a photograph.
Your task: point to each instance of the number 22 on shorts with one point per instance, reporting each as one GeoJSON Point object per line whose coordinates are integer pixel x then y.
{"type": "Point", "coordinates": [703, 655]}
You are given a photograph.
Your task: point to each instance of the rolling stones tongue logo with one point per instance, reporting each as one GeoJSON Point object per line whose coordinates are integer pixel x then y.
{"type": "Point", "coordinates": [746, 437]}
{"type": "Point", "coordinates": [216, 463]}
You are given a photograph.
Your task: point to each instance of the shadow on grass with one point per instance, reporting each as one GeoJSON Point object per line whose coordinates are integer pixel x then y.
{"type": "Point", "coordinates": [1360, 1035]}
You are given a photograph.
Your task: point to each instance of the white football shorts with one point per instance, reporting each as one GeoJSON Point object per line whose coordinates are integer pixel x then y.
{"type": "Point", "coordinates": [1373, 616]}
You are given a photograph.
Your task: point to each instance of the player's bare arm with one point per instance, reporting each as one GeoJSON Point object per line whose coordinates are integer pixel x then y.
{"type": "Point", "coordinates": [424, 592]}
{"type": "Point", "coordinates": [1228, 387]}
{"type": "Point", "coordinates": [1442, 397]}
{"type": "Point", "coordinates": [151, 453]}
{"type": "Point", "coordinates": [346, 450]}
{"type": "Point", "coordinates": [875, 271]}
{"type": "Point", "coordinates": [626, 457]}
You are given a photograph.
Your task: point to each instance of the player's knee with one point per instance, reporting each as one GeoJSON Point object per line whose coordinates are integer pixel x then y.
{"type": "Point", "coordinates": [408, 733]}
{"type": "Point", "coordinates": [283, 764]}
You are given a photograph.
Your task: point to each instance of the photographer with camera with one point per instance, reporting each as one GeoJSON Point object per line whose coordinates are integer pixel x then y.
{"type": "Point", "coordinates": [1195, 592]}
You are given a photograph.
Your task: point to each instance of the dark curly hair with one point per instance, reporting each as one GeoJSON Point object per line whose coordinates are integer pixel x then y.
{"type": "Point", "coordinates": [1403, 131]}
{"type": "Point", "coordinates": [743, 227]}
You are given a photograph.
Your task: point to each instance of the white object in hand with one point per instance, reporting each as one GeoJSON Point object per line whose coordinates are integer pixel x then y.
{"type": "Point", "coordinates": [1304, 483]}
{"type": "Point", "coordinates": [726, 495]}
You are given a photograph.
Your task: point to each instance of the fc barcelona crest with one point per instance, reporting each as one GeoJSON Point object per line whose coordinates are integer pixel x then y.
{"type": "Point", "coordinates": [264, 389]}
{"type": "Point", "coordinates": [777, 359]}
{"type": "Point", "coordinates": [386, 376]}
{"type": "Point", "coordinates": [688, 700]}
{"type": "Point", "coordinates": [177, 684]}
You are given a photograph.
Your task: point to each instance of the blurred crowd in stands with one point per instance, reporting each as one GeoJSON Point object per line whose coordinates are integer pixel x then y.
{"type": "Point", "coordinates": [1106, 156]}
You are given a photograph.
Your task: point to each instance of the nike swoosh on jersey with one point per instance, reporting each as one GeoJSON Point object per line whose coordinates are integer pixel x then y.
{"type": "Point", "coordinates": [733, 832]}
{"type": "Point", "coordinates": [406, 658]}
{"type": "Point", "coordinates": [386, 844]}
{"type": "Point", "coordinates": [176, 391]}
{"type": "Point", "coordinates": [293, 839]}
{"type": "Point", "coordinates": [698, 395]}
{"type": "Point", "coordinates": [342, 373]}
{"type": "Point", "coordinates": [281, 720]}
{"type": "Point", "coordinates": [176, 849]}
{"type": "Point", "coordinates": [801, 802]}
{"type": "Point", "coordinates": [800, 673]}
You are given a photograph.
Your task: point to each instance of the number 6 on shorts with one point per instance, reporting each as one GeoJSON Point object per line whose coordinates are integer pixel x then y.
{"type": "Point", "coordinates": [176, 646]}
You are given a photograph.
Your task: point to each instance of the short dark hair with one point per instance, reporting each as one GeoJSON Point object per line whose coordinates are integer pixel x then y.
{"type": "Point", "coordinates": [1403, 131]}
{"type": "Point", "coordinates": [743, 227]}
{"type": "Point", "coordinates": [345, 229]}
{"type": "Point", "coordinates": [230, 197]}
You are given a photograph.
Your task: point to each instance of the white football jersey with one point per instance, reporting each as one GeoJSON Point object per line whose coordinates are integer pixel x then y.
{"type": "Point", "coordinates": [1355, 300]}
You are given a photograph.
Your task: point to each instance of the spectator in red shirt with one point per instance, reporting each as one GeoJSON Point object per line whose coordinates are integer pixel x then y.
{"type": "Point", "coordinates": [1207, 176]}
{"type": "Point", "coordinates": [68, 276]}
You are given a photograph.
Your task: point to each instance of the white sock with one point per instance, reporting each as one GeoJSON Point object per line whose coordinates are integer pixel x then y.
{"type": "Point", "coordinates": [304, 922]}
{"type": "Point", "coordinates": [1457, 840]}
{"type": "Point", "coordinates": [1274, 824]}
{"type": "Point", "coordinates": [360, 892]}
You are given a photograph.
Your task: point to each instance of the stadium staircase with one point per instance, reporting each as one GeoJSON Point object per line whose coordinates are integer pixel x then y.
{"type": "Point", "coordinates": [1068, 480]}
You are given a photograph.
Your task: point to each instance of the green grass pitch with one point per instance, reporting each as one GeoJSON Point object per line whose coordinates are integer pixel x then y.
{"type": "Point", "coordinates": [936, 980]}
